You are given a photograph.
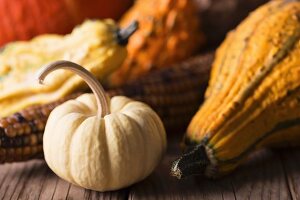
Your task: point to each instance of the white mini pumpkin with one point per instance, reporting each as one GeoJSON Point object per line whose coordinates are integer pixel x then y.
{"type": "Point", "coordinates": [101, 144]}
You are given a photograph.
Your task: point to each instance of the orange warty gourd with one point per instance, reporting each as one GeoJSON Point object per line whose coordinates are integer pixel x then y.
{"type": "Point", "coordinates": [253, 99]}
{"type": "Point", "coordinates": [24, 19]}
{"type": "Point", "coordinates": [168, 32]}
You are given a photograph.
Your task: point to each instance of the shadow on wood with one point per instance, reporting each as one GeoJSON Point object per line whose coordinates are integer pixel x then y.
{"type": "Point", "coordinates": [261, 177]}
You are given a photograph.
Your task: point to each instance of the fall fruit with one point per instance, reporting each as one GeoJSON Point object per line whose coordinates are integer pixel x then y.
{"type": "Point", "coordinates": [99, 45]}
{"type": "Point", "coordinates": [253, 96]}
{"type": "Point", "coordinates": [21, 134]}
{"type": "Point", "coordinates": [98, 143]}
{"type": "Point", "coordinates": [169, 32]}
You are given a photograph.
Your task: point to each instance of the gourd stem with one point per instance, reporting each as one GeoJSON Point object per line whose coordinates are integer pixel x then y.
{"type": "Point", "coordinates": [124, 34]}
{"type": "Point", "coordinates": [90, 79]}
{"type": "Point", "coordinates": [193, 162]}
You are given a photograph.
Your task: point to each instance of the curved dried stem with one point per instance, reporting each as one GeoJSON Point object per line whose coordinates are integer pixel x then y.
{"type": "Point", "coordinates": [90, 79]}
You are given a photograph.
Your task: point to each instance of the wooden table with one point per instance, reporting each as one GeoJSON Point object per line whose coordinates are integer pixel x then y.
{"type": "Point", "coordinates": [267, 175]}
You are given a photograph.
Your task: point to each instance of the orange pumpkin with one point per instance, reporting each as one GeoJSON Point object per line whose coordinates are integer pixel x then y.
{"type": "Point", "coordinates": [168, 33]}
{"type": "Point", "coordinates": [23, 19]}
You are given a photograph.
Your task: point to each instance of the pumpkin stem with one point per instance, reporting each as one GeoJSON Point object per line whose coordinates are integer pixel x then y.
{"type": "Point", "coordinates": [89, 78]}
{"type": "Point", "coordinates": [124, 34]}
{"type": "Point", "coordinates": [193, 162]}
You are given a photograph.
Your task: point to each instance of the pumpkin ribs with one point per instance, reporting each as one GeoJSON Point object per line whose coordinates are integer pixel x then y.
{"type": "Point", "coordinates": [175, 93]}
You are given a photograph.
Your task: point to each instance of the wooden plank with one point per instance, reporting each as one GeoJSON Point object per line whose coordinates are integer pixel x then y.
{"type": "Point", "coordinates": [34, 180]}
{"type": "Point", "coordinates": [32, 186]}
{"type": "Point", "coordinates": [113, 195]}
{"type": "Point", "coordinates": [15, 179]}
{"type": "Point", "coordinates": [291, 164]}
{"type": "Point", "coordinates": [65, 190]}
{"type": "Point", "coordinates": [4, 170]}
{"type": "Point", "coordinates": [262, 177]}
{"type": "Point", "coordinates": [77, 192]}
{"type": "Point", "coordinates": [160, 185]}
{"type": "Point", "coordinates": [61, 190]}
{"type": "Point", "coordinates": [49, 186]}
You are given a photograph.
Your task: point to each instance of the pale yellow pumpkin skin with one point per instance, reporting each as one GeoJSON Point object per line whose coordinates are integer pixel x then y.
{"type": "Point", "coordinates": [106, 153]}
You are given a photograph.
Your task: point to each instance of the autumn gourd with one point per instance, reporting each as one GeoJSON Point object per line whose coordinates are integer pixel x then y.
{"type": "Point", "coordinates": [98, 143]}
{"type": "Point", "coordinates": [253, 97]}
{"type": "Point", "coordinates": [98, 45]}
{"type": "Point", "coordinates": [24, 19]}
{"type": "Point", "coordinates": [169, 32]}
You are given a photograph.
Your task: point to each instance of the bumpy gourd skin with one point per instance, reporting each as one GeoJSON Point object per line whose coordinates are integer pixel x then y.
{"type": "Point", "coordinates": [254, 91]}
{"type": "Point", "coordinates": [92, 44]}
{"type": "Point", "coordinates": [169, 32]}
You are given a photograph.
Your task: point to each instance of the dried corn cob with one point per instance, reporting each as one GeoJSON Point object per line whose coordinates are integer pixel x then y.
{"type": "Point", "coordinates": [175, 93]}
{"type": "Point", "coordinates": [21, 134]}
